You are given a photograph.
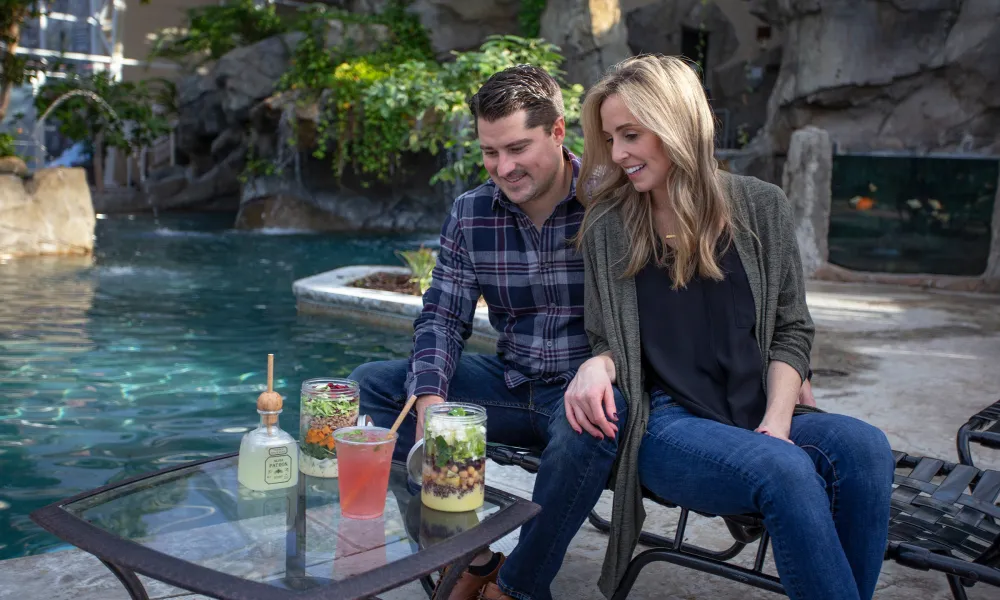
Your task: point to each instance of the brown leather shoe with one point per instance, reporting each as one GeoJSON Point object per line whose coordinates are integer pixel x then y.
{"type": "Point", "coordinates": [469, 586]}
{"type": "Point", "coordinates": [492, 591]}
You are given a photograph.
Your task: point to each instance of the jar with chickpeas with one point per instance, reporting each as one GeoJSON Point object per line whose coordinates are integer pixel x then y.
{"type": "Point", "coordinates": [454, 467]}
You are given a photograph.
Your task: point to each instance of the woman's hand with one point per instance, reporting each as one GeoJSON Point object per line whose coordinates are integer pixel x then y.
{"type": "Point", "coordinates": [776, 431]}
{"type": "Point", "coordinates": [590, 398]}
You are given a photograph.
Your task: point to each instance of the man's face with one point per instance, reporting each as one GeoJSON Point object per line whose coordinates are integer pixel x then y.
{"type": "Point", "coordinates": [523, 162]}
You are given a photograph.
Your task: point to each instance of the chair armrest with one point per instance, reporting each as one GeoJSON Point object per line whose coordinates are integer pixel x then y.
{"type": "Point", "coordinates": [925, 560]}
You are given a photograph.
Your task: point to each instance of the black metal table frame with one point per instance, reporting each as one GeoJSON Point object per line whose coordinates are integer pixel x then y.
{"type": "Point", "coordinates": [126, 558]}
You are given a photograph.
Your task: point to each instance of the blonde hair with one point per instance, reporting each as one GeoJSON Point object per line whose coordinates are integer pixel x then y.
{"type": "Point", "coordinates": [666, 97]}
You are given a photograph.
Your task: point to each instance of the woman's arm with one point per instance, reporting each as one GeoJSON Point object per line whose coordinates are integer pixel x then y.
{"type": "Point", "coordinates": [791, 342]}
{"type": "Point", "coordinates": [589, 398]}
{"type": "Point", "coordinates": [783, 385]}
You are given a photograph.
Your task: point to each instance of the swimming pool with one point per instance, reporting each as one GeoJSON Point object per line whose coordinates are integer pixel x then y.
{"type": "Point", "coordinates": [154, 350]}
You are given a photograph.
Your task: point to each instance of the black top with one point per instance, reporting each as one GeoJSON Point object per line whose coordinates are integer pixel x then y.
{"type": "Point", "coordinates": [698, 342]}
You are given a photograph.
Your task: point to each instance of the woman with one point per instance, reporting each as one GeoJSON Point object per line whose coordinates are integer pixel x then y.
{"type": "Point", "coordinates": [695, 305]}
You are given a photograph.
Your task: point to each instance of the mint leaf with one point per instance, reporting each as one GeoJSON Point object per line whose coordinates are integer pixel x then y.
{"type": "Point", "coordinates": [456, 412]}
{"type": "Point", "coordinates": [442, 452]}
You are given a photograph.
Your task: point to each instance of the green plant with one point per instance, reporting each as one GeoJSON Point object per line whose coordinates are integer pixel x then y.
{"type": "Point", "coordinates": [742, 135]}
{"type": "Point", "coordinates": [421, 263]}
{"type": "Point", "coordinates": [212, 31]}
{"type": "Point", "coordinates": [373, 109]}
{"type": "Point", "coordinates": [529, 17]}
{"type": "Point", "coordinates": [7, 145]}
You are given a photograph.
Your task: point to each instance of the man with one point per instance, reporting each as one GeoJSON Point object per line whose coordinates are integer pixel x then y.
{"type": "Point", "coordinates": [509, 240]}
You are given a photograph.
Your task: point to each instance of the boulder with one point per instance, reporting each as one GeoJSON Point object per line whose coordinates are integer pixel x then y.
{"type": "Point", "coordinates": [361, 37]}
{"type": "Point", "coordinates": [221, 99]}
{"type": "Point", "coordinates": [219, 186]}
{"type": "Point", "coordinates": [912, 75]}
{"type": "Point", "coordinates": [591, 34]}
{"type": "Point", "coordinates": [806, 182]}
{"type": "Point", "coordinates": [49, 213]}
{"type": "Point", "coordinates": [12, 165]}
{"type": "Point", "coordinates": [464, 24]}
{"type": "Point", "coordinates": [317, 201]}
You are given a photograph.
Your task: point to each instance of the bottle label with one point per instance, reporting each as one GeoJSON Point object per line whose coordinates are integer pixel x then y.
{"type": "Point", "coordinates": [277, 469]}
{"type": "Point", "coordinates": [279, 451]}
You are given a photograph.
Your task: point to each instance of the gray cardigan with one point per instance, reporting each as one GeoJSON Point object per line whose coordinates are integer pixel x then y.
{"type": "Point", "coordinates": [770, 256]}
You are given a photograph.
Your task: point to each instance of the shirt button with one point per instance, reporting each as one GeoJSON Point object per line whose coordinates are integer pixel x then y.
{"type": "Point", "coordinates": [548, 344]}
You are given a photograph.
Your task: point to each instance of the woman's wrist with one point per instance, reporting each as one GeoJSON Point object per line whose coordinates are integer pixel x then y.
{"type": "Point", "coordinates": [608, 363]}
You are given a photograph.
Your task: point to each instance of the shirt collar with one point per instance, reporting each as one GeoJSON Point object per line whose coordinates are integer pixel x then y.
{"type": "Point", "coordinates": [500, 199]}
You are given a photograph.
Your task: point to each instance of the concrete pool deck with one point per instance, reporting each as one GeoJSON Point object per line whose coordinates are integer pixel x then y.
{"type": "Point", "coordinates": [915, 363]}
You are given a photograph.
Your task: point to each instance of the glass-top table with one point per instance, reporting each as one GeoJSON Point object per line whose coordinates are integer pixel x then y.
{"type": "Point", "coordinates": [195, 527]}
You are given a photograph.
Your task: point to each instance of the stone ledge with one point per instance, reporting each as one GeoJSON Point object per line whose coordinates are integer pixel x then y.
{"type": "Point", "coordinates": [951, 283]}
{"type": "Point", "coordinates": [331, 293]}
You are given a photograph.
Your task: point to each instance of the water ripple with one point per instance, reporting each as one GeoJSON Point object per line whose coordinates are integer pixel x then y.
{"type": "Point", "coordinates": [153, 351]}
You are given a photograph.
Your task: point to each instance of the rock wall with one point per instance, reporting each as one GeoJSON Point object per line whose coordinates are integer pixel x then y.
{"type": "Point", "coordinates": [913, 75]}
{"type": "Point", "coordinates": [464, 24]}
{"type": "Point", "coordinates": [216, 114]}
{"type": "Point", "coordinates": [591, 33]}
{"type": "Point", "coordinates": [741, 64]}
{"type": "Point", "coordinates": [49, 213]}
{"type": "Point", "coordinates": [316, 201]}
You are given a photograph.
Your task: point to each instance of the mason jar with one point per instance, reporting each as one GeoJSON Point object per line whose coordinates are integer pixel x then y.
{"type": "Point", "coordinates": [454, 465]}
{"type": "Point", "coordinates": [327, 405]}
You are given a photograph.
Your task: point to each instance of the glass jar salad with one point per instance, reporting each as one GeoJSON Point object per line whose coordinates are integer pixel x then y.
{"type": "Point", "coordinates": [327, 405]}
{"type": "Point", "coordinates": [454, 467]}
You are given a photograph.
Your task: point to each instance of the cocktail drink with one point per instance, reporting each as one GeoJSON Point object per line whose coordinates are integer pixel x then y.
{"type": "Point", "coordinates": [364, 457]}
{"type": "Point", "coordinates": [327, 405]}
{"type": "Point", "coordinates": [454, 468]}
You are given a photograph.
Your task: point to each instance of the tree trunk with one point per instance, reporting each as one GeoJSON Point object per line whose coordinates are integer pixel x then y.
{"type": "Point", "coordinates": [13, 34]}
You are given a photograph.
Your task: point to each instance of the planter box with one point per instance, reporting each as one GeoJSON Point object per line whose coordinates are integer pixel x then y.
{"type": "Point", "coordinates": [331, 293]}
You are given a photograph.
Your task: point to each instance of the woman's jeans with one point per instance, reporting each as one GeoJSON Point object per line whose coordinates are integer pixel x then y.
{"type": "Point", "coordinates": [825, 498]}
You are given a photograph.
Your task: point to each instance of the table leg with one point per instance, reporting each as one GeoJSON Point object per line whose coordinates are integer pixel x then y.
{"type": "Point", "coordinates": [129, 580]}
{"type": "Point", "coordinates": [455, 571]}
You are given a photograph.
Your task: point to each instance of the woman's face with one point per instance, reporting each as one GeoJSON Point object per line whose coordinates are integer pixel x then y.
{"type": "Point", "coordinates": [634, 148]}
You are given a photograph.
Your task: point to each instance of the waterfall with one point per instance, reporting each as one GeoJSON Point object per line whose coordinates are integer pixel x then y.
{"type": "Point", "coordinates": [40, 125]}
{"type": "Point", "coordinates": [287, 151]}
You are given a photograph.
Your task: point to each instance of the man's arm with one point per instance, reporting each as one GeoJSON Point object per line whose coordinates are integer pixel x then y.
{"type": "Point", "coordinates": [445, 322]}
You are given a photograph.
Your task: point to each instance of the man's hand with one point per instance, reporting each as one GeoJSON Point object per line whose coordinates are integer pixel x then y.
{"type": "Point", "coordinates": [806, 394]}
{"type": "Point", "coordinates": [422, 403]}
{"type": "Point", "coordinates": [590, 399]}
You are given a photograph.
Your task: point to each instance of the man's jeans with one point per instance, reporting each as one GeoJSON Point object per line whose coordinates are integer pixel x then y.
{"type": "Point", "coordinates": [825, 498]}
{"type": "Point", "coordinates": [574, 468]}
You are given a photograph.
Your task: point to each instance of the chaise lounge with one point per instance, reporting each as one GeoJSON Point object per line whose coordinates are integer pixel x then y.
{"type": "Point", "coordinates": [945, 517]}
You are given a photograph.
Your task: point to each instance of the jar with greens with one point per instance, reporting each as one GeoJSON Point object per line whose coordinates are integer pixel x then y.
{"type": "Point", "coordinates": [454, 468]}
{"type": "Point", "coordinates": [327, 405]}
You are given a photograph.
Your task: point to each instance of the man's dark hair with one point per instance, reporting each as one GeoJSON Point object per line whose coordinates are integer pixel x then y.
{"type": "Point", "coordinates": [516, 88]}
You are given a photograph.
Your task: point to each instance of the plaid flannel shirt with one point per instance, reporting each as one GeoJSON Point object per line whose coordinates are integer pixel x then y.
{"type": "Point", "coordinates": [531, 279]}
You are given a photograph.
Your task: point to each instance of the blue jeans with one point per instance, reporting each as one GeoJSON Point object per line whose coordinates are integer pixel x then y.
{"type": "Point", "coordinates": [574, 467]}
{"type": "Point", "coordinates": [825, 499]}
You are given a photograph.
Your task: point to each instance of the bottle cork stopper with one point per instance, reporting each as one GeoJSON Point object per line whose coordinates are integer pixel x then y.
{"type": "Point", "coordinates": [269, 400]}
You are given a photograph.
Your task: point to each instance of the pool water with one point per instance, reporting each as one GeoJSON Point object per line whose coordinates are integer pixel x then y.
{"type": "Point", "coordinates": [154, 350]}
